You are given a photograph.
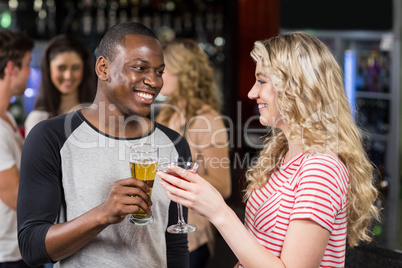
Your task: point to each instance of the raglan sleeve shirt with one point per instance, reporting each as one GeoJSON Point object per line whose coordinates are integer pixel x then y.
{"type": "Point", "coordinates": [41, 198]}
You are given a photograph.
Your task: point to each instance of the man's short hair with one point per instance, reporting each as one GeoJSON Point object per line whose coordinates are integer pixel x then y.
{"type": "Point", "coordinates": [116, 36]}
{"type": "Point", "coordinates": [13, 46]}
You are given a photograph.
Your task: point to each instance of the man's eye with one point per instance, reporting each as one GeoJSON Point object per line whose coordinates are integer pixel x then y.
{"type": "Point", "coordinates": [160, 73]}
{"type": "Point", "coordinates": [139, 68]}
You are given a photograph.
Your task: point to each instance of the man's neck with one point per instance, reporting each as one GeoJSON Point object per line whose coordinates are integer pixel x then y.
{"type": "Point", "coordinates": [5, 96]}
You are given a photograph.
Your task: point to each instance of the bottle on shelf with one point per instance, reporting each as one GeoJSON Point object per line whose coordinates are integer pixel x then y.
{"type": "Point", "coordinates": [373, 71]}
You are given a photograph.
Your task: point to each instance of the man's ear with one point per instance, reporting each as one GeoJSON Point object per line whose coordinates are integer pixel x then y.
{"type": "Point", "coordinates": [101, 68]}
{"type": "Point", "coordinates": [10, 68]}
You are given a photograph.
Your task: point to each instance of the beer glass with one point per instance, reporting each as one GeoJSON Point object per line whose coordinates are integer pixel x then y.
{"type": "Point", "coordinates": [144, 159]}
{"type": "Point", "coordinates": [181, 227]}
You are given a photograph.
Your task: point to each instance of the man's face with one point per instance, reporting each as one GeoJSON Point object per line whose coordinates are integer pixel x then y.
{"type": "Point", "coordinates": [20, 75]}
{"type": "Point", "coordinates": [135, 75]}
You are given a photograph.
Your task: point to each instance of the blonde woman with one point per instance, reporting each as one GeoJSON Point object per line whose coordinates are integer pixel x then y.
{"type": "Point", "coordinates": [192, 109]}
{"type": "Point", "coordinates": [311, 191]}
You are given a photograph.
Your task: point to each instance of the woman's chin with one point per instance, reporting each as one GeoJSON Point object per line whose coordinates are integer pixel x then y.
{"type": "Point", "coordinates": [264, 121]}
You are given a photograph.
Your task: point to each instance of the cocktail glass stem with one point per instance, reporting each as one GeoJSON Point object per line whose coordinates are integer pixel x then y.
{"type": "Point", "coordinates": [180, 219]}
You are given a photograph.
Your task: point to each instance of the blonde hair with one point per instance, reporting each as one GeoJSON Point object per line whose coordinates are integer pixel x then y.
{"type": "Point", "coordinates": [312, 101]}
{"type": "Point", "coordinates": [196, 84]}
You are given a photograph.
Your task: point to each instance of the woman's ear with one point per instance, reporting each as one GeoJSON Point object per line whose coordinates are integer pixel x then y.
{"type": "Point", "coordinates": [101, 68]}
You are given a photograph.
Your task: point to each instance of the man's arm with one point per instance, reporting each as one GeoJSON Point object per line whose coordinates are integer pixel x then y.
{"type": "Point", "coordinates": [41, 197]}
{"type": "Point", "coordinates": [64, 239]}
{"type": "Point", "coordinates": [9, 179]}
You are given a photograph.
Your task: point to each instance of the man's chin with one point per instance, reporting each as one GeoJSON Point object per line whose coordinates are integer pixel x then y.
{"type": "Point", "coordinates": [144, 113]}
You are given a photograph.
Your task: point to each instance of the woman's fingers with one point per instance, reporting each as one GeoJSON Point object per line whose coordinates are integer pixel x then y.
{"type": "Point", "coordinates": [176, 186]}
{"type": "Point", "coordinates": [183, 173]}
{"type": "Point", "coordinates": [176, 198]}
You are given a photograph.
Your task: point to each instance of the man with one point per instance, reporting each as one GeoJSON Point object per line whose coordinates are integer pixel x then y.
{"type": "Point", "coordinates": [15, 56]}
{"type": "Point", "coordinates": [75, 169]}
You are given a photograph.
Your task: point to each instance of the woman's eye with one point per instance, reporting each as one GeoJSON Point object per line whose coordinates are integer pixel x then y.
{"type": "Point", "coordinates": [260, 82]}
{"type": "Point", "coordinates": [76, 68]}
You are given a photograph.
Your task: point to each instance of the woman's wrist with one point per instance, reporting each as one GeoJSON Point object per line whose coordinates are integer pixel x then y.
{"type": "Point", "coordinates": [223, 216]}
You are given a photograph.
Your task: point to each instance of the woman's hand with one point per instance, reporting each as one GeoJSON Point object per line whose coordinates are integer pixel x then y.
{"type": "Point", "coordinates": [193, 192]}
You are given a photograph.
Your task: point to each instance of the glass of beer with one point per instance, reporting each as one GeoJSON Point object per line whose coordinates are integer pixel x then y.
{"type": "Point", "coordinates": [181, 227]}
{"type": "Point", "coordinates": [143, 162]}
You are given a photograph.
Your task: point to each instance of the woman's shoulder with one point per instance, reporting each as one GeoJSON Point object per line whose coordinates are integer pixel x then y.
{"type": "Point", "coordinates": [33, 118]}
{"type": "Point", "coordinates": [320, 158]}
{"type": "Point", "coordinates": [327, 165]}
{"type": "Point", "coordinates": [208, 114]}
{"type": "Point", "coordinates": [207, 118]}
{"type": "Point", "coordinates": [37, 115]}
{"type": "Point", "coordinates": [207, 110]}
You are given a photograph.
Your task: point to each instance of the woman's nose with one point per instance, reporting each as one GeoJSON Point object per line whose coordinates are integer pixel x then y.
{"type": "Point", "coordinates": [67, 74]}
{"type": "Point", "coordinates": [253, 93]}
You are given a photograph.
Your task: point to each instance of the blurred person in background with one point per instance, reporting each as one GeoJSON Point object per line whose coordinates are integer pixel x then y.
{"type": "Point", "coordinates": [68, 79]}
{"type": "Point", "coordinates": [76, 187]}
{"type": "Point", "coordinates": [310, 191]}
{"type": "Point", "coordinates": [193, 109]}
{"type": "Point", "coordinates": [15, 57]}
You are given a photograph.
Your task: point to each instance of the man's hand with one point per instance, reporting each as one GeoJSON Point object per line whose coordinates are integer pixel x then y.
{"type": "Point", "coordinates": [127, 196]}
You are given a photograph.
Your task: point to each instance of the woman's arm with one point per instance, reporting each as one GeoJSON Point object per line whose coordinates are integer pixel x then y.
{"type": "Point", "coordinates": [305, 240]}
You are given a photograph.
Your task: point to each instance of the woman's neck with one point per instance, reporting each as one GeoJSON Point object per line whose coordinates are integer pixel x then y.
{"type": "Point", "coordinates": [68, 103]}
{"type": "Point", "coordinates": [294, 150]}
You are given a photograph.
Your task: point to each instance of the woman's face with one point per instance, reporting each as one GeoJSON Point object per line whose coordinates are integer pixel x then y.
{"type": "Point", "coordinates": [170, 83]}
{"type": "Point", "coordinates": [264, 93]}
{"type": "Point", "coordinates": [66, 72]}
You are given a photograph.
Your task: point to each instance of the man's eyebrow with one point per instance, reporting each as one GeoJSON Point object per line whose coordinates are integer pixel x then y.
{"type": "Point", "coordinates": [144, 61]}
{"type": "Point", "coordinates": [147, 62]}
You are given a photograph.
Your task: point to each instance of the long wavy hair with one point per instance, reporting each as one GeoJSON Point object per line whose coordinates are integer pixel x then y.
{"type": "Point", "coordinates": [49, 97]}
{"type": "Point", "coordinates": [196, 84]}
{"type": "Point", "coordinates": [312, 101]}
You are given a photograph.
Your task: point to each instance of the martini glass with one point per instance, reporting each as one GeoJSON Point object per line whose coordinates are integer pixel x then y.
{"type": "Point", "coordinates": [181, 227]}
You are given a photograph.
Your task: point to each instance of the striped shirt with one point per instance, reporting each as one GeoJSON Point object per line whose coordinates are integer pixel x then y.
{"type": "Point", "coordinates": [307, 187]}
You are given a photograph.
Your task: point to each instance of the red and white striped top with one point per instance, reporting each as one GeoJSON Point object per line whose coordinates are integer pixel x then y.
{"type": "Point", "coordinates": [307, 187]}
